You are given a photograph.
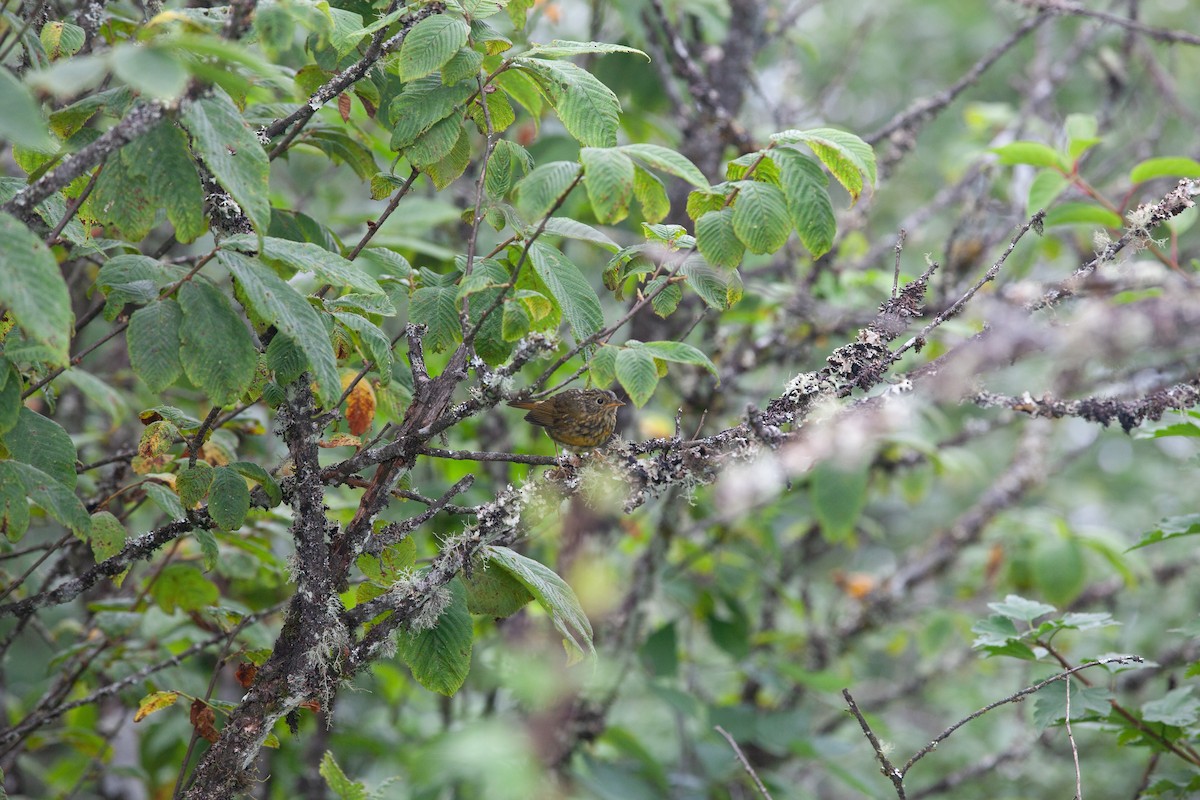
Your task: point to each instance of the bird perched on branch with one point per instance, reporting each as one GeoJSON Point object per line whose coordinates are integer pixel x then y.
{"type": "Point", "coordinates": [575, 417]}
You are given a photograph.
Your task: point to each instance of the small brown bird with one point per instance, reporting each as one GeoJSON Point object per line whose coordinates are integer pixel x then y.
{"type": "Point", "coordinates": [575, 417]}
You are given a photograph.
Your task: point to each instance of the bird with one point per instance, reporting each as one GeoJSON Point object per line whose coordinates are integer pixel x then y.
{"type": "Point", "coordinates": [579, 418]}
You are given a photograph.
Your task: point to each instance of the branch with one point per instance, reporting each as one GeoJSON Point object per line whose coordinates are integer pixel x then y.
{"type": "Point", "coordinates": [1104, 410]}
{"type": "Point", "coordinates": [745, 764]}
{"type": "Point", "coordinates": [1064, 7]}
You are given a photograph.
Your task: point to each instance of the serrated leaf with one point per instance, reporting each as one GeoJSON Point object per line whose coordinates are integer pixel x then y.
{"type": "Point", "coordinates": [538, 191]}
{"type": "Point", "coordinates": [339, 784]}
{"type": "Point", "coordinates": [651, 196]}
{"type": "Point", "coordinates": [707, 281]}
{"type": "Point", "coordinates": [440, 656]}
{"type": "Point", "coordinates": [429, 44]}
{"type": "Point", "coordinates": [559, 48]}
{"type": "Point", "coordinates": [666, 301]}
{"type": "Point", "coordinates": [805, 185]}
{"type": "Point", "coordinates": [14, 508]}
{"type": "Point", "coordinates": [495, 593]}
{"type": "Point", "coordinates": [106, 535]}
{"type": "Point", "coordinates": [588, 109]}
{"type": "Point", "coordinates": [52, 496]}
{"type": "Point", "coordinates": [166, 500]}
{"type": "Point", "coordinates": [1177, 707]}
{"type": "Point", "coordinates": [61, 39]}
{"type": "Point", "coordinates": [193, 483]}
{"type": "Point", "coordinates": [602, 367]}
{"type": "Point", "coordinates": [274, 299]}
{"type": "Point", "coordinates": [435, 307]}
{"type": "Point", "coordinates": [1086, 701]}
{"type": "Point", "coordinates": [677, 352]}
{"type": "Point", "coordinates": [32, 288]}
{"type": "Point", "coordinates": [232, 153]}
{"type": "Point", "coordinates": [453, 164]}
{"type": "Point", "coordinates": [850, 160]}
{"type": "Point", "coordinates": [228, 498]}
{"type": "Point", "coordinates": [1018, 608]}
{"type": "Point", "coordinates": [216, 351]}
{"type": "Point", "coordinates": [155, 701]}
{"type": "Point", "coordinates": [760, 217]}
{"type": "Point", "coordinates": [551, 592]}
{"type": "Point", "coordinates": [308, 257]}
{"type": "Point", "coordinates": [1170, 528]}
{"type": "Point", "coordinates": [608, 178]}
{"type": "Point", "coordinates": [375, 344]}
{"type": "Point", "coordinates": [570, 288]}
{"type": "Point", "coordinates": [248, 469]}
{"type": "Point", "coordinates": [153, 341]}
{"type": "Point", "coordinates": [637, 373]}
{"type": "Point", "coordinates": [717, 240]}
{"type": "Point", "coordinates": [465, 64]}
{"type": "Point", "coordinates": [41, 442]}
{"type": "Point", "coordinates": [423, 104]}
{"type": "Point", "coordinates": [436, 143]}
{"type": "Point", "coordinates": [573, 229]}
{"type": "Point", "coordinates": [666, 160]}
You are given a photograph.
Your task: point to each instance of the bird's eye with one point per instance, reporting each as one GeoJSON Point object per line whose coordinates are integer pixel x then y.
{"type": "Point", "coordinates": [599, 401]}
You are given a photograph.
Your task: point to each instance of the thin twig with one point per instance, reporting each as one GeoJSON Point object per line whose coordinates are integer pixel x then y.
{"type": "Point", "coordinates": [885, 764]}
{"type": "Point", "coordinates": [745, 763]}
{"type": "Point", "coordinates": [471, 455]}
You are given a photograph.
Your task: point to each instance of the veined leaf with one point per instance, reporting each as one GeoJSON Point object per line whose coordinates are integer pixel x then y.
{"type": "Point", "coordinates": [846, 156]}
{"type": "Point", "coordinates": [216, 351]}
{"type": "Point", "coordinates": [153, 341]}
{"type": "Point", "coordinates": [53, 497]}
{"type": "Point", "coordinates": [678, 352]}
{"type": "Point", "coordinates": [588, 109]}
{"type": "Point", "coordinates": [232, 153]}
{"type": "Point", "coordinates": [578, 299]}
{"type": "Point", "coordinates": [32, 288]}
{"type": "Point", "coordinates": [551, 592]}
{"type": "Point", "coordinates": [651, 196]}
{"type": "Point", "coordinates": [559, 48]}
{"type": "Point", "coordinates": [41, 442]}
{"type": "Point", "coordinates": [608, 178]}
{"type": "Point", "coordinates": [440, 656]}
{"type": "Point", "coordinates": [805, 185]}
{"type": "Point", "coordinates": [307, 257]}
{"type": "Point", "coordinates": [435, 307]}
{"type": "Point", "coordinates": [1171, 167]}
{"type": "Point", "coordinates": [228, 498]}
{"type": "Point", "coordinates": [1033, 153]}
{"type": "Point", "coordinates": [276, 301]}
{"type": "Point", "coordinates": [22, 122]}
{"type": "Point", "coordinates": [637, 372]}
{"type": "Point", "coordinates": [431, 43]}
{"type": "Point", "coordinates": [664, 159]}
{"type": "Point", "coordinates": [760, 217]}
{"type": "Point", "coordinates": [423, 104]}
{"type": "Point", "coordinates": [718, 241]}
{"type": "Point", "coordinates": [538, 191]}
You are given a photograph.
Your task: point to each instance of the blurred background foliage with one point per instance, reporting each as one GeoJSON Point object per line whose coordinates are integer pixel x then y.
{"type": "Point", "coordinates": [752, 602]}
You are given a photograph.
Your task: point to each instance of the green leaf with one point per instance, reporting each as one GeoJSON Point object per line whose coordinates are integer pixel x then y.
{"type": "Point", "coordinates": [678, 352]}
{"type": "Point", "coordinates": [285, 359]}
{"type": "Point", "coordinates": [193, 483]}
{"type": "Point", "coordinates": [339, 784]}
{"type": "Point", "coordinates": [846, 156]}
{"type": "Point", "coordinates": [440, 656]}
{"type": "Point", "coordinates": [1081, 214]}
{"type": "Point", "coordinates": [153, 341]}
{"type": "Point", "coordinates": [374, 343]}
{"type": "Point", "coordinates": [559, 48]}
{"type": "Point", "coordinates": [1047, 185]}
{"type": "Point", "coordinates": [152, 71]}
{"type": "Point", "coordinates": [49, 494]}
{"type": "Point", "coordinates": [435, 307]}
{"type": "Point", "coordinates": [43, 443]}
{"type": "Point", "coordinates": [608, 178]}
{"type": "Point", "coordinates": [228, 499]}
{"type": "Point", "coordinates": [131, 279]}
{"type": "Point", "coordinates": [32, 288]}
{"type": "Point", "coordinates": [806, 187]}
{"type": "Point", "coordinates": [665, 302]}
{"type": "Point", "coordinates": [1018, 608]}
{"type": "Point", "coordinates": [637, 373]}
{"type": "Point", "coordinates": [651, 195]}
{"type": "Point", "coordinates": [431, 43]}
{"type": "Point", "coordinates": [572, 229]}
{"type": "Point", "coordinates": [307, 257]}
{"type": "Point", "coordinates": [1081, 130]}
{"type": "Point", "coordinates": [760, 217]}
{"type": "Point", "coordinates": [448, 169]}
{"type": "Point", "coordinates": [1059, 570]}
{"type": "Point", "coordinates": [10, 396]}
{"type": "Point", "coordinates": [166, 500]}
{"type": "Point", "coordinates": [106, 535]}
{"type": "Point", "coordinates": [436, 143]}
{"type": "Point", "coordinates": [14, 508]}
{"type": "Point", "coordinates": [524, 88]}
{"type": "Point", "coordinates": [718, 241]}
{"type": "Point", "coordinates": [183, 587]}
{"type": "Point", "coordinates": [465, 64]}
{"type": "Point", "coordinates": [570, 288]}
{"type": "Point", "coordinates": [217, 353]}
{"type": "Point", "coordinates": [423, 104]}
{"type": "Point", "coordinates": [22, 121]}
{"type": "Point", "coordinates": [495, 593]}
{"type": "Point", "coordinates": [1168, 167]}
{"type": "Point", "coordinates": [61, 39]}
{"type": "Point", "coordinates": [1177, 707]}
{"type": "Point", "coordinates": [274, 299]}
{"type": "Point", "coordinates": [232, 153]}
{"type": "Point", "coordinates": [588, 109]}
{"type": "Point", "coordinates": [1033, 153]}
{"type": "Point", "coordinates": [539, 191]}
{"type": "Point", "coordinates": [248, 469]}
{"type": "Point", "coordinates": [666, 160]}
{"type": "Point", "coordinates": [551, 592]}
{"type": "Point", "coordinates": [838, 497]}
{"type": "Point", "coordinates": [1086, 701]}
{"type": "Point", "coordinates": [1170, 528]}
{"type": "Point", "coordinates": [602, 367]}
{"type": "Point", "coordinates": [710, 283]}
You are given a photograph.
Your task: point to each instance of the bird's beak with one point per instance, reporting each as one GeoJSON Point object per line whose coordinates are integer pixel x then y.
{"type": "Point", "coordinates": [614, 404]}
